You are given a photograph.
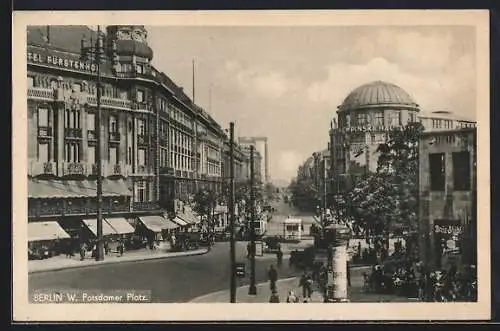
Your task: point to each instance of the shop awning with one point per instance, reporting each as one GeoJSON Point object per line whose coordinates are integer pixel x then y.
{"type": "Point", "coordinates": [120, 225]}
{"type": "Point", "coordinates": [51, 230]}
{"type": "Point", "coordinates": [188, 216]}
{"type": "Point", "coordinates": [75, 188]}
{"type": "Point", "coordinates": [106, 228]}
{"type": "Point", "coordinates": [180, 221]}
{"type": "Point", "coordinates": [157, 223]}
{"type": "Point", "coordinates": [220, 209]}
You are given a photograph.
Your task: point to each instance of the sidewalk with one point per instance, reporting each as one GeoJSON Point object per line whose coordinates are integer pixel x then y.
{"type": "Point", "coordinates": [263, 293]}
{"type": "Point", "coordinates": [62, 262]}
{"type": "Point", "coordinates": [355, 292]}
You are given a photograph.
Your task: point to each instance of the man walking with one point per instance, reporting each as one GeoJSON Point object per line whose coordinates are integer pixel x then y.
{"type": "Point", "coordinates": [273, 277]}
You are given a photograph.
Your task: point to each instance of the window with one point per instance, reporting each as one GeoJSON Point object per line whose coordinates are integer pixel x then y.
{"type": "Point", "coordinates": [461, 171]}
{"type": "Point", "coordinates": [91, 121]}
{"type": "Point", "coordinates": [139, 69]}
{"type": "Point", "coordinates": [140, 96]}
{"type": "Point", "coordinates": [72, 119]}
{"type": "Point", "coordinates": [72, 152]}
{"type": "Point", "coordinates": [113, 155]}
{"type": "Point", "coordinates": [437, 171]}
{"type": "Point", "coordinates": [113, 124]}
{"type": "Point", "coordinates": [43, 117]}
{"type": "Point", "coordinates": [129, 155]}
{"type": "Point", "coordinates": [30, 81]}
{"type": "Point", "coordinates": [361, 119]}
{"type": "Point", "coordinates": [43, 152]}
{"type": "Point", "coordinates": [123, 95]}
{"type": "Point", "coordinates": [53, 84]}
{"type": "Point", "coordinates": [379, 118]}
{"type": "Point", "coordinates": [141, 127]}
{"type": "Point", "coordinates": [141, 157]}
{"type": "Point", "coordinates": [141, 191]}
{"type": "Point", "coordinates": [76, 87]}
{"type": "Point", "coordinates": [91, 154]}
{"type": "Point", "coordinates": [395, 118]}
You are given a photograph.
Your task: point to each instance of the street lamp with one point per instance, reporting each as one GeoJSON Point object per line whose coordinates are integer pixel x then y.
{"type": "Point", "coordinates": [252, 290]}
{"type": "Point", "coordinates": [95, 54]}
{"type": "Point", "coordinates": [231, 213]}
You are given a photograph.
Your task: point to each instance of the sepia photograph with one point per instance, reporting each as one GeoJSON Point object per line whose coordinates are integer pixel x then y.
{"type": "Point", "coordinates": [201, 159]}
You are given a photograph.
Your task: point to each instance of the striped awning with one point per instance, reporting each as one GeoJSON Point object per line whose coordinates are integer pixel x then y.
{"type": "Point", "coordinates": [157, 223]}
{"type": "Point", "coordinates": [180, 221]}
{"type": "Point", "coordinates": [51, 230]}
{"type": "Point", "coordinates": [120, 225]}
{"type": "Point", "coordinates": [75, 188]}
{"type": "Point", "coordinates": [106, 228]}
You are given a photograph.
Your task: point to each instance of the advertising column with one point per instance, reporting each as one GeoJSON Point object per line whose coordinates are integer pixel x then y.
{"type": "Point", "coordinates": [337, 269]}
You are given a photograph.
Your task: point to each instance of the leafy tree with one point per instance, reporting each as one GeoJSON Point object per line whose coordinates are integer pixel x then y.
{"type": "Point", "coordinates": [387, 199]}
{"type": "Point", "coordinates": [205, 202]}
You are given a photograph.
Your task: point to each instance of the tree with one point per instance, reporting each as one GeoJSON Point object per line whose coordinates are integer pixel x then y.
{"type": "Point", "coordinates": [205, 202]}
{"type": "Point", "coordinates": [398, 161]}
{"type": "Point", "coordinates": [387, 199]}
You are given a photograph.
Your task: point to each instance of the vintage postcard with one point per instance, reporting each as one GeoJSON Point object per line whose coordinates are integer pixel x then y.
{"type": "Point", "coordinates": [198, 166]}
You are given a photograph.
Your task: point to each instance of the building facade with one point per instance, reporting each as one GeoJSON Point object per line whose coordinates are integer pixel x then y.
{"type": "Point", "coordinates": [448, 197]}
{"type": "Point", "coordinates": [156, 144]}
{"type": "Point", "coordinates": [365, 118]}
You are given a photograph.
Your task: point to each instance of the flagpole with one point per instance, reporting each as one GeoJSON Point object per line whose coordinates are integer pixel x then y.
{"type": "Point", "coordinates": [193, 82]}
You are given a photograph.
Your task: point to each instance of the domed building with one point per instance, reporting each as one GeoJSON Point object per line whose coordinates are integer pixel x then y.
{"type": "Point", "coordinates": [364, 118]}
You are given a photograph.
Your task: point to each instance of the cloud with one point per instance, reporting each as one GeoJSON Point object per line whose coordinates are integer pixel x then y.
{"type": "Point", "coordinates": [433, 91]}
{"type": "Point", "coordinates": [268, 83]}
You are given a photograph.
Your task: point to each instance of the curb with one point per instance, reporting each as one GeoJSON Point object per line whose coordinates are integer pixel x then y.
{"type": "Point", "coordinates": [238, 288]}
{"type": "Point", "coordinates": [114, 262]}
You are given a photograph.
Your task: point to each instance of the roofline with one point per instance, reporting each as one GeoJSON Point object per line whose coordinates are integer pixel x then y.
{"type": "Point", "coordinates": [415, 107]}
{"type": "Point", "coordinates": [446, 132]}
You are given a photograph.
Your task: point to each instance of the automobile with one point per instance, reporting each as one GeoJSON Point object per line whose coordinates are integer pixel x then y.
{"type": "Point", "coordinates": [39, 253]}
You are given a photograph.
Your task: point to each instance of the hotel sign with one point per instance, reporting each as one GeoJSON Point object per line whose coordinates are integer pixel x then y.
{"type": "Point", "coordinates": [37, 58]}
{"type": "Point", "coordinates": [368, 128]}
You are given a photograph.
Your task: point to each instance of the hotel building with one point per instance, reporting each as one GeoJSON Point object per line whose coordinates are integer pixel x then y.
{"type": "Point", "coordinates": [157, 145]}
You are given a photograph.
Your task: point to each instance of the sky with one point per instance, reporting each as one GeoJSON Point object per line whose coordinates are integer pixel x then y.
{"type": "Point", "coordinates": [285, 83]}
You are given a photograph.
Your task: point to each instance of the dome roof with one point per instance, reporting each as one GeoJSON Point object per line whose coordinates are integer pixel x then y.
{"type": "Point", "coordinates": [133, 47]}
{"type": "Point", "coordinates": [378, 94]}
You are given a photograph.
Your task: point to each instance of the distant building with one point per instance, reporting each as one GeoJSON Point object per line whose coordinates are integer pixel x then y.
{"type": "Point", "coordinates": [447, 195]}
{"type": "Point", "coordinates": [365, 118]}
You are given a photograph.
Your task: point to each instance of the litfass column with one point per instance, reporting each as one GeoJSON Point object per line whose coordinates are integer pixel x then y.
{"type": "Point", "coordinates": [337, 260]}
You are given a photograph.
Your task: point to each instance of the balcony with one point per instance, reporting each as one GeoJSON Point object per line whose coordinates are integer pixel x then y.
{"type": "Point", "coordinates": [38, 168]}
{"type": "Point", "coordinates": [38, 93]}
{"type": "Point", "coordinates": [141, 106]}
{"type": "Point", "coordinates": [116, 169]}
{"type": "Point", "coordinates": [73, 133]}
{"type": "Point", "coordinates": [114, 137]}
{"type": "Point", "coordinates": [107, 102]}
{"type": "Point", "coordinates": [73, 168]}
{"type": "Point", "coordinates": [44, 132]}
{"type": "Point", "coordinates": [145, 205]}
{"type": "Point", "coordinates": [143, 170]}
{"type": "Point", "coordinates": [91, 135]}
{"type": "Point", "coordinates": [48, 168]}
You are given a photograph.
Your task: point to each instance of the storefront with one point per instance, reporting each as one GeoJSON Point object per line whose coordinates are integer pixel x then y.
{"type": "Point", "coordinates": [46, 239]}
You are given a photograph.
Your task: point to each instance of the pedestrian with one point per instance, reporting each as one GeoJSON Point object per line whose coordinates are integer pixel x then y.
{"type": "Point", "coordinates": [273, 277]}
{"type": "Point", "coordinates": [292, 298]}
{"type": "Point", "coordinates": [274, 297]}
{"type": "Point", "coordinates": [82, 252]}
{"type": "Point", "coordinates": [120, 248]}
{"type": "Point", "coordinates": [279, 257]}
{"type": "Point", "coordinates": [303, 284]}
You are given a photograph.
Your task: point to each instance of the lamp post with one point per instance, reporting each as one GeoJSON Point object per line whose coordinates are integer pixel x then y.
{"type": "Point", "coordinates": [95, 53]}
{"type": "Point", "coordinates": [252, 290]}
{"type": "Point", "coordinates": [231, 213]}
